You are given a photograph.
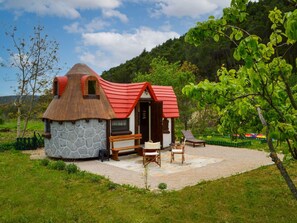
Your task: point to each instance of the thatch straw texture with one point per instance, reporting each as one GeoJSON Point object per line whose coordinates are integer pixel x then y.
{"type": "Point", "coordinates": [71, 105]}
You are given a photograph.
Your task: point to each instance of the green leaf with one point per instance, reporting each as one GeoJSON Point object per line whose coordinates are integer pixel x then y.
{"type": "Point", "coordinates": [216, 38]}
{"type": "Point", "coordinates": [236, 55]}
{"type": "Point", "coordinates": [238, 35]}
{"type": "Point", "coordinates": [291, 25]}
{"type": "Point", "coordinates": [249, 62]}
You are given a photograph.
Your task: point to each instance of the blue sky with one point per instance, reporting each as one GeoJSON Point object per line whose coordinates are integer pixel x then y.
{"type": "Point", "coordinates": [99, 33]}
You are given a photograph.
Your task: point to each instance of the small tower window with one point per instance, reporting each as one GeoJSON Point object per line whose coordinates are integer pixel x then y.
{"type": "Point", "coordinates": [91, 87]}
{"type": "Point", "coordinates": [59, 85]}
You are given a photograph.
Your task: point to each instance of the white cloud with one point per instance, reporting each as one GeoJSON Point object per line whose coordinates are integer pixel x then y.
{"type": "Point", "coordinates": [188, 8]}
{"type": "Point", "coordinates": [93, 26]}
{"type": "Point", "coordinates": [62, 8]}
{"type": "Point", "coordinates": [115, 48]}
{"type": "Point", "coordinates": [108, 13]}
{"type": "Point", "coordinates": [74, 28]}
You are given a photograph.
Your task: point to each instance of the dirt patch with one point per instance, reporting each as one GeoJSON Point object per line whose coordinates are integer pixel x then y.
{"type": "Point", "coordinates": [36, 154]}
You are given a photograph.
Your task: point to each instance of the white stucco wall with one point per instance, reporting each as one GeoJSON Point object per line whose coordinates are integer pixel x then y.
{"type": "Point", "coordinates": [132, 121]}
{"type": "Point", "coordinates": [167, 136]}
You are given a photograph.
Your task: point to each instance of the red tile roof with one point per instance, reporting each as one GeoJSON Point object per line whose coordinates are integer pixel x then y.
{"type": "Point", "coordinates": [167, 95]}
{"type": "Point", "coordinates": [124, 97]}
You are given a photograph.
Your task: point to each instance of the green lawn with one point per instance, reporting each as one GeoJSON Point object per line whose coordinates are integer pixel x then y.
{"type": "Point", "coordinates": [8, 130]}
{"type": "Point", "coordinates": [31, 192]}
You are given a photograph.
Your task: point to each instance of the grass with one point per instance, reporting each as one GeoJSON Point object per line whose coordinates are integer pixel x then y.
{"type": "Point", "coordinates": [8, 130]}
{"type": "Point", "coordinates": [38, 191]}
{"type": "Point", "coordinates": [32, 192]}
{"type": "Point", "coordinates": [256, 144]}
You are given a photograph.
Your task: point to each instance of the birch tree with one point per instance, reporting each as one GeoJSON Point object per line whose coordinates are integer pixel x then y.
{"type": "Point", "coordinates": [35, 59]}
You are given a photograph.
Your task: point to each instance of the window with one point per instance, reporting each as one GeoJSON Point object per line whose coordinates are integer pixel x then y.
{"type": "Point", "coordinates": [120, 125]}
{"type": "Point", "coordinates": [165, 126]}
{"type": "Point", "coordinates": [92, 87]}
{"type": "Point", "coordinates": [47, 129]}
{"type": "Point", "coordinates": [47, 126]}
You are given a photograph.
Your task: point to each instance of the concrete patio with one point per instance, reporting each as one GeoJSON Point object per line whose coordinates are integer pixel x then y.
{"type": "Point", "coordinates": [201, 163]}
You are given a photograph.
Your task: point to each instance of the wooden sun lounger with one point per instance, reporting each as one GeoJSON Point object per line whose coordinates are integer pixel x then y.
{"type": "Point", "coordinates": [191, 139]}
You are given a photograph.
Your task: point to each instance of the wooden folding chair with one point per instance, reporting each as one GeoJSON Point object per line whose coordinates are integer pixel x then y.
{"type": "Point", "coordinates": [178, 149]}
{"type": "Point", "coordinates": [151, 153]}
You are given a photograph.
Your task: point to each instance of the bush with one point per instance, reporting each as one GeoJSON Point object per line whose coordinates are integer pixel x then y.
{"type": "Point", "coordinates": [7, 146]}
{"type": "Point", "coordinates": [162, 186]}
{"type": "Point", "coordinates": [44, 162]}
{"type": "Point", "coordinates": [111, 186]}
{"type": "Point", "coordinates": [58, 165]}
{"type": "Point", "coordinates": [288, 157]}
{"type": "Point", "coordinates": [96, 178]}
{"type": "Point", "coordinates": [71, 168]}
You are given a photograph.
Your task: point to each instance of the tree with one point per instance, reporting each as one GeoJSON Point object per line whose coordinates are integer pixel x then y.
{"type": "Point", "coordinates": [262, 90]}
{"type": "Point", "coordinates": [175, 75]}
{"type": "Point", "coordinates": [34, 59]}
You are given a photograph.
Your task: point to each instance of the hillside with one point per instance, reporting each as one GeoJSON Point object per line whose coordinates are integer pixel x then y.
{"type": "Point", "coordinates": [210, 55]}
{"type": "Point", "coordinates": [7, 99]}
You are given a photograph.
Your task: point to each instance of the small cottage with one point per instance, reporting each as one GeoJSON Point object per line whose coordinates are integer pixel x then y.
{"type": "Point", "coordinates": [86, 110]}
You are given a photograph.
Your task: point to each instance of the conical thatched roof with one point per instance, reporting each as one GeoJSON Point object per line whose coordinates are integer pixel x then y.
{"type": "Point", "coordinates": [72, 106]}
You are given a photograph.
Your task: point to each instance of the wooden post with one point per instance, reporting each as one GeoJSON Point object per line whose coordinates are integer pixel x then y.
{"type": "Point", "coordinates": [107, 136]}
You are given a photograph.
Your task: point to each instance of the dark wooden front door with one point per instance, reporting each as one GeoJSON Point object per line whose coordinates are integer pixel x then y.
{"type": "Point", "coordinates": [156, 121]}
{"type": "Point", "coordinates": [144, 121]}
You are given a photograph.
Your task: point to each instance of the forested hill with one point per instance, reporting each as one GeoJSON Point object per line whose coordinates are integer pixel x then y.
{"type": "Point", "coordinates": [210, 55]}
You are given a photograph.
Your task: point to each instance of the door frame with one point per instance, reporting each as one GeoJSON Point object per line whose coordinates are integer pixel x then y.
{"type": "Point", "coordinates": [138, 116]}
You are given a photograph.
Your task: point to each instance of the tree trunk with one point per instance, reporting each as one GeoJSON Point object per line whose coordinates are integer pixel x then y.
{"type": "Point", "coordinates": [19, 114]}
{"type": "Point", "coordinates": [284, 173]}
{"type": "Point", "coordinates": [25, 126]}
{"type": "Point", "coordinates": [19, 121]}
{"type": "Point", "coordinates": [28, 116]}
{"type": "Point", "coordinates": [275, 158]}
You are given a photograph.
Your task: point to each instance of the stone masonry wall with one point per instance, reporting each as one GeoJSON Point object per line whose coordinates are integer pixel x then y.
{"type": "Point", "coordinates": [76, 141]}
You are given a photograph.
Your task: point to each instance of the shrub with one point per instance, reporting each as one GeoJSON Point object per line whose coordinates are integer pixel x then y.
{"type": "Point", "coordinates": [162, 186]}
{"type": "Point", "coordinates": [44, 162]}
{"type": "Point", "coordinates": [288, 157]}
{"type": "Point", "coordinates": [111, 186]}
{"type": "Point", "coordinates": [96, 178]}
{"type": "Point", "coordinates": [58, 165]}
{"type": "Point", "coordinates": [7, 146]}
{"type": "Point", "coordinates": [71, 168]}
